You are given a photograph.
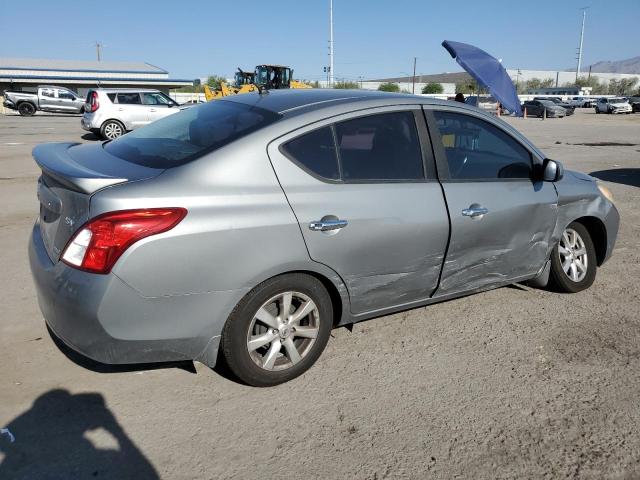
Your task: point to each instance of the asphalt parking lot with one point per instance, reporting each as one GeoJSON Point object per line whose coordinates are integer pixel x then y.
{"type": "Point", "coordinates": [511, 383]}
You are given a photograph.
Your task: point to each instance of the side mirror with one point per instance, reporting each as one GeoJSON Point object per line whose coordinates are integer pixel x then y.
{"type": "Point", "coordinates": [553, 170]}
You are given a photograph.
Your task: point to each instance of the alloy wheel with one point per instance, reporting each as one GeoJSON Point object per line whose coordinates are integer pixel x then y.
{"type": "Point", "coordinates": [112, 131]}
{"type": "Point", "coordinates": [573, 255]}
{"type": "Point", "coordinates": [283, 331]}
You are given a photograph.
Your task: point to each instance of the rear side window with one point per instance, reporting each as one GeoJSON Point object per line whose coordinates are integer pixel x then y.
{"type": "Point", "coordinates": [112, 97]}
{"type": "Point", "coordinates": [129, 98]}
{"type": "Point", "coordinates": [316, 152]}
{"type": "Point", "coordinates": [476, 149]}
{"type": "Point", "coordinates": [382, 147]}
{"type": "Point", "coordinates": [184, 136]}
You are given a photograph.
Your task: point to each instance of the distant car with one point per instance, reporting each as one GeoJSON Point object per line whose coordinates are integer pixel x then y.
{"type": "Point", "coordinates": [48, 99]}
{"type": "Point", "coordinates": [570, 109]}
{"type": "Point", "coordinates": [487, 103]}
{"type": "Point", "coordinates": [581, 102]}
{"type": "Point", "coordinates": [536, 108]}
{"type": "Point", "coordinates": [613, 105]}
{"type": "Point", "coordinates": [247, 228]}
{"type": "Point", "coordinates": [635, 104]}
{"type": "Point", "coordinates": [110, 113]}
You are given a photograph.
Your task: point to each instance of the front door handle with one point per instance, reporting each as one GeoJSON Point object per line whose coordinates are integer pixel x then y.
{"type": "Point", "coordinates": [326, 225]}
{"type": "Point", "coordinates": [475, 211]}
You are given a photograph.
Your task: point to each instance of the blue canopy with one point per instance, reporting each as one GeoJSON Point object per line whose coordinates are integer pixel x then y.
{"type": "Point", "coordinates": [487, 71]}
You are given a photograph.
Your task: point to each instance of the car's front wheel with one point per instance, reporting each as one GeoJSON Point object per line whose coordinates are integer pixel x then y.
{"type": "Point", "coordinates": [573, 260]}
{"type": "Point", "coordinates": [112, 129]}
{"type": "Point", "coordinates": [278, 330]}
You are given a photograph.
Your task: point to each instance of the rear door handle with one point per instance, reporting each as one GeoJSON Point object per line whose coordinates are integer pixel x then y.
{"type": "Point", "coordinates": [475, 211]}
{"type": "Point", "coordinates": [325, 225]}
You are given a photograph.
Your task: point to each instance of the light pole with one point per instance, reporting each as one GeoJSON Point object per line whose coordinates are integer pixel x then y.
{"type": "Point", "coordinates": [584, 16]}
{"type": "Point", "coordinates": [330, 43]}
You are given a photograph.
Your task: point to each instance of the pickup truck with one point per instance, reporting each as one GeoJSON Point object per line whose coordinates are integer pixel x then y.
{"type": "Point", "coordinates": [48, 99]}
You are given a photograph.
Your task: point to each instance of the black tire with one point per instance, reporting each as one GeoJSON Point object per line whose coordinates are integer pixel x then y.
{"type": "Point", "coordinates": [236, 334]}
{"type": "Point", "coordinates": [26, 109]}
{"type": "Point", "coordinates": [561, 281]}
{"type": "Point", "coordinates": [112, 129]}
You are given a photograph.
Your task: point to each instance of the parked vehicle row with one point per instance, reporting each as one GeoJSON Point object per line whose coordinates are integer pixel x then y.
{"type": "Point", "coordinates": [253, 225]}
{"type": "Point", "coordinates": [47, 99]}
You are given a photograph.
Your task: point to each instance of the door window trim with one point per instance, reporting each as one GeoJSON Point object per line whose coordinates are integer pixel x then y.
{"type": "Point", "coordinates": [441, 156]}
{"type": "Point", "coordinates": [424, 142]}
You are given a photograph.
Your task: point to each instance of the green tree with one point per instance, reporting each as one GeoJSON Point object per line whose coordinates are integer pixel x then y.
{"type": "Point", "coordinates": [624, 86]}
{"type": "Point", "coordinates": [214, 81]}
{"type": "Point", "coordinates": [597, 88]}
{"type": "Point", "coordinates": [432, 88]}
{"type": "Point", "coordinates": [389, 87]}
{"type": "Point", "coordinates": [465, 87]}
{"type": "Point", "coordinates": [536, 83]}
{"type": "Point", "coordinates": [346, 85]}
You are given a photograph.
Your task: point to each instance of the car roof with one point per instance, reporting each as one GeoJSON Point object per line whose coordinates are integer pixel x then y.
{"type": "Point", "coordinates": [294, 101]}
{"type": "Point", "coordinates": [124, 90]}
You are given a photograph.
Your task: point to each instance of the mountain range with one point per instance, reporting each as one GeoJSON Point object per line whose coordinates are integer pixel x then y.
{"type": "Point", "coordinates": [630, 65]}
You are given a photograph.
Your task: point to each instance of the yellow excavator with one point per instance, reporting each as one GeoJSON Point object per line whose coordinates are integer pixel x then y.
{"type": "Point", "coordinates": [264, 76]}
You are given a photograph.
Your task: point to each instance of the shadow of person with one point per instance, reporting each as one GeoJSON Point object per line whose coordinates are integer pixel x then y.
{"type": "Point", "coordinates": [625, 176]}
{"type": "Point", "coordinates": [70, 436]}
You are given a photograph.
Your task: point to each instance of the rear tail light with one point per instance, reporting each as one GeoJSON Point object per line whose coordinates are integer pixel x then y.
{"type": "Point", "coordinates": [98, 244]}
{"type": "Point", "coordinates": [94, 104]}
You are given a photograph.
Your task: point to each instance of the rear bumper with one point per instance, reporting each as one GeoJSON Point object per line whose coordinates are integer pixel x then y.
{"type": "Point", "coordinates": [102, 318]}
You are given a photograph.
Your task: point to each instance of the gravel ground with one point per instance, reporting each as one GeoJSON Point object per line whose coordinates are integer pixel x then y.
{"type": "Point", "coordinates": [512, 383]}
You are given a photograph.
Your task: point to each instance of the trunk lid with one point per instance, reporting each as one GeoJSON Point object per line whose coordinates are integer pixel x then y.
{"type": "Point", "coordinates": [71, 174]}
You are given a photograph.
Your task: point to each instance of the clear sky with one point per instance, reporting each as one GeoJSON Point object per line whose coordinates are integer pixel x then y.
{"type": "Point", "coordinates": [373, 38]}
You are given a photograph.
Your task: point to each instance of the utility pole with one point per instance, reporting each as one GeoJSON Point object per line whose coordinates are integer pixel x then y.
{"type": "Point", "coordinates": [330, 43]}
{"type": "Point", "coordinates": [584, 16]}
{"type": "Point", "coordinates": [413, 88]}
{"type": "Point", "coordinates": [99, 50]}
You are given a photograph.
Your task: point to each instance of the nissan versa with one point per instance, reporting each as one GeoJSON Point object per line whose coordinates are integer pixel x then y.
{"type": "Point", "coordinates": [249, 227]}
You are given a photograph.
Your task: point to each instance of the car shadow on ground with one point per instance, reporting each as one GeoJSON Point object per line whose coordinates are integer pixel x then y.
{"type": "Point", "coordinates": [91, 136]}
{"type": "Point", "coordinates": [625, 176]}
{"type": "Point", "coordinates": [64, 435]}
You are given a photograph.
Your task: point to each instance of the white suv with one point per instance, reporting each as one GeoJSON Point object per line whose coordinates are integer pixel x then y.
{"type": "Point", "coordinates": [111, 113]}
{"type": "Point", "coordinates": [613, 105]}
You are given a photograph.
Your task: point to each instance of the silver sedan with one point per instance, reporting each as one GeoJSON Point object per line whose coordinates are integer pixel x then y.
{"type": "Point", "coordinates": [246, 229]}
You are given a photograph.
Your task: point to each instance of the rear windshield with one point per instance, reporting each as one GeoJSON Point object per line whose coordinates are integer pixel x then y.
{"type": "Point", "coordinates": [189, 134]}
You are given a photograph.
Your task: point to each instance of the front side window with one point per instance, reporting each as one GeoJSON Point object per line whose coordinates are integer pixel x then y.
{"type": "Point", "coordinates": [156, 98]}
{"type": "Point", "coordinates": [66, 95]}
{"type": "Point", "coordinates": [129, 98]}
{"type": "Point", "coordinates": [190, 133]}
{"type": "Point", "coordinates": [477, 150]}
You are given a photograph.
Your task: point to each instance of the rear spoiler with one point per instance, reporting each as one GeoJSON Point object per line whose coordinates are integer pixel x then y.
{"type": "Point", "coordinates": [87, 167]}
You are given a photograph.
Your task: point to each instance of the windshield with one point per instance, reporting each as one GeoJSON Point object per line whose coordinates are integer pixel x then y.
{"type": "Point", "coordinates": [617, 100]}
{"type": "Point", "coordinates": [189, 134]}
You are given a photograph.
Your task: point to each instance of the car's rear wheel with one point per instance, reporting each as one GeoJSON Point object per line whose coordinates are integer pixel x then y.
{"type": "Point", "coordinates": [278, 330]}
{"type": "Point", "coordinates": [573, 260]}
{"type": "Point", "coordinates": [26, 109]}
{"type": "Point", "coordinates": [112, 129]}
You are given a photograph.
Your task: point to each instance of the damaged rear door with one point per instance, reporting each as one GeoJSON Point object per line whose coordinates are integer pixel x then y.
{"type": "Point", "coordinates": [364, 191]}
{"type": "Point", "coordinates": [501, 218]}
